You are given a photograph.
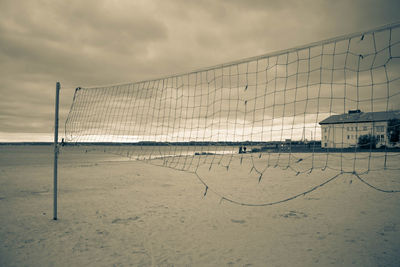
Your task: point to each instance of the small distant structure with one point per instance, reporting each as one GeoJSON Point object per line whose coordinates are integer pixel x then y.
{"type": "Point", "coordinates": [343, 131]}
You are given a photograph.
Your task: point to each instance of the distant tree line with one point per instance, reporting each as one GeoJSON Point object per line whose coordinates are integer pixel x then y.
{"type": "Point", "coordinates": [392, 132]}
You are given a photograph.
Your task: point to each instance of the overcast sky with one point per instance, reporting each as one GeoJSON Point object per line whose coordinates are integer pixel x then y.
{"type": "Point", "coordinates": [93, 42]}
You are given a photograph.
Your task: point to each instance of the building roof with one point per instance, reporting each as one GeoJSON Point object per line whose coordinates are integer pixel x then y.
{"type": "Point", "coordinates": [359, 116]}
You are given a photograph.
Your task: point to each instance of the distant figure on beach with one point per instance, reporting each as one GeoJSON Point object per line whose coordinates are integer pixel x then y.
{"type": "Point", "coordinates": [240, 150]}
{"type": "Point", "coordinates": [244, 149]}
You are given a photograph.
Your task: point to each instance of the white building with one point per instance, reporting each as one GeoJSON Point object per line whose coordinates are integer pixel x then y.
{"type": "Point", "coordinates": [341, 131]}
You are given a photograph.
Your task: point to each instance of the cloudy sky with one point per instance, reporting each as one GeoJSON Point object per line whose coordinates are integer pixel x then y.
{"type": "Point", "coordinates": [94, 42]}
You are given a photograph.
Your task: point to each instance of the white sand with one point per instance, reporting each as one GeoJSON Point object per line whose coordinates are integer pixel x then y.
{"type": "Point", "coordinates": [129, 213]}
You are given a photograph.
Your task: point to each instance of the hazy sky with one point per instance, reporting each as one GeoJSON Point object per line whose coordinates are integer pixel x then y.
{"type": "Point", "coordinates": [83, 43]}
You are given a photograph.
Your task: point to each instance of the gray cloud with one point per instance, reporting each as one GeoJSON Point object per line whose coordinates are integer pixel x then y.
{"type": "Point", "coordinates": [100, 42]}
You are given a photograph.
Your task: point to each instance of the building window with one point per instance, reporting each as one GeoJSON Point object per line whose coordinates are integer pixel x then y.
{"type": "Point", "coordinates": [379, 128]}
{"type": "Point", "coordinates": [382, 137]}
{"type": "Point", "coordinates": [325, 130]}
{"type": "Point", "coordinates": [348, 128]}
{"type": "Point", "coordinates": [348, 137]}
{"type": "Point", "coordinates": [326, 144]}
{"type": "Point", "coordinates": [365, 128]}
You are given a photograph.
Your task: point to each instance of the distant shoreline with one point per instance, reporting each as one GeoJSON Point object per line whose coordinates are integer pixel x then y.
{"type": "Point", "coordinates": [252, 147]}
{"type": "Point", "coordinates": [190, 143]}
{"type": "Point", "coordinates": [26, 143]}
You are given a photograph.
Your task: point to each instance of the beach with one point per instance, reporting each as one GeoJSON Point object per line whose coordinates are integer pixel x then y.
{"type": "Point", "coordinates": [114, 211]}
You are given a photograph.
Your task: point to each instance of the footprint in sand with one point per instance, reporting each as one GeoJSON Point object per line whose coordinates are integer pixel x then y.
{"type": "Point", "coordinates": [238, 221]}
{"type": "Point", "coordinates": [294, 214]}
{"type": "Point", "coordinates": [118, 220]}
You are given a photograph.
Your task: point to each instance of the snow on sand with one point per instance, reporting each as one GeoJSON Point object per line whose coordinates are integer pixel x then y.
{"type": "Point", "coordinates": [129, 213]}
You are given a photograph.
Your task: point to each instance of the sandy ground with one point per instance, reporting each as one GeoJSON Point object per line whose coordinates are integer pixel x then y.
{"type": "Point", "coordinates": [114, 212]}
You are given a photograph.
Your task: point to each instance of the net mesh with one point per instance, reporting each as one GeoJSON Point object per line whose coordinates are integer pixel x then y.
{"type": "Point", "coordinates": [331, 106]}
